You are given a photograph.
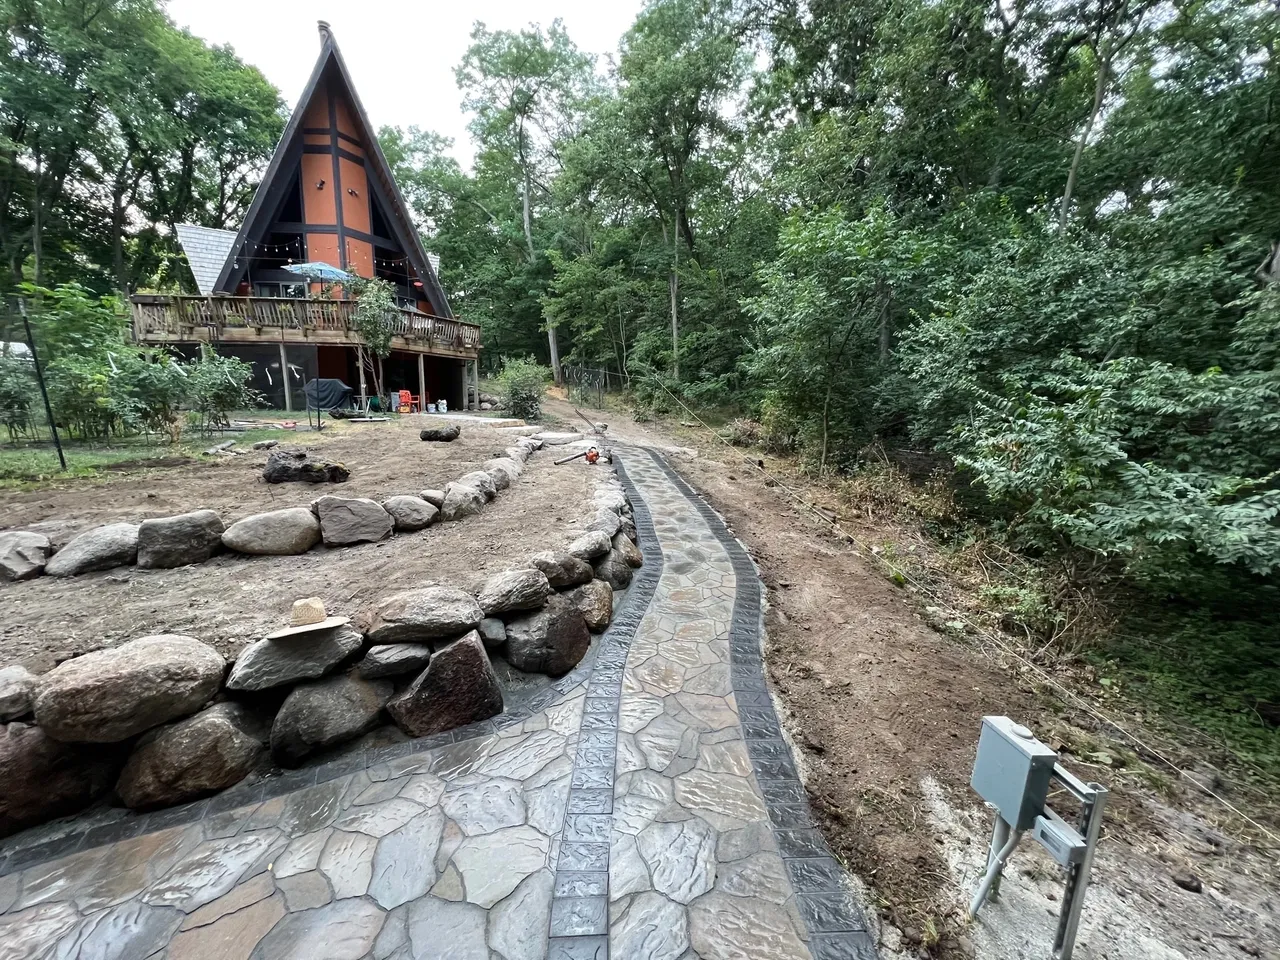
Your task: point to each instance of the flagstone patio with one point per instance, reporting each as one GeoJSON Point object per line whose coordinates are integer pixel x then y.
{"type": "Point", "coordinates": [645, 808]}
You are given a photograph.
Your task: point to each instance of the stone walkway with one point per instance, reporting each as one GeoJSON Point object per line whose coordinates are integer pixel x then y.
{"type": "Point", "coordinates": [646, 808]}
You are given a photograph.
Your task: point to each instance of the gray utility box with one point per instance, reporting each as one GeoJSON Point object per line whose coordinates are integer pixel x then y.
{"type": "Point", "coordinates": [1012, 771]}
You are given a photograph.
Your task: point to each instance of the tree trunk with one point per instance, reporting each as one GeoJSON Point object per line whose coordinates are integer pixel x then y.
{"type": "Point", "coordinates": [552, 342]}
{"type": "Point", "coordinates": [37, 224]}
{"type": "Point", "coordinates": [1099, 94]}
{"type": "Point", "coordinates": [675, 308]}
{"type": "Point", "coordinates": [886, 332]}
{"type": "Point", "coordinates": [826, 406]}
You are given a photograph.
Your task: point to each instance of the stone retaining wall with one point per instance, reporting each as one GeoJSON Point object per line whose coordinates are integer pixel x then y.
{"type": "Point", "coordinates": [161, 720]}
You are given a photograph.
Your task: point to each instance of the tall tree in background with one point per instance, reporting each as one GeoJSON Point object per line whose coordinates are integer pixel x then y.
{"type": "Point", "coordinates": [524, 88]}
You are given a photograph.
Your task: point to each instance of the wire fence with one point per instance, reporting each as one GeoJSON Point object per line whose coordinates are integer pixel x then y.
{"type": "Point", "coordinates": [591, 384]}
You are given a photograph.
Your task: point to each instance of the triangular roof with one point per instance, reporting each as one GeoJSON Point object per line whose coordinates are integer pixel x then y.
{"type": "Point", "coordinates": [207, 249]}
{"type": "Point", "coordinates": [330, 65]}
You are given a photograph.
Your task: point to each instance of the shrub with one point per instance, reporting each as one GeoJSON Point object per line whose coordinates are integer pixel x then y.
{"type": "Point", "coordinates": [216, 386]}
{"type": "Point", "coordinates": [17, 389]}
{"type": "Point", "coordinates": [523, 381]}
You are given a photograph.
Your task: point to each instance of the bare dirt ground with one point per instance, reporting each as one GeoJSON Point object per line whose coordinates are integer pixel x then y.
{"type": "Point", "coordinates": [885, 713]}
{"type": "Point", "coordinates": [233, 600]}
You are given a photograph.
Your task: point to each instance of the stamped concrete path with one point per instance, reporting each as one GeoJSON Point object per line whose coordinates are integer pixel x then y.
{"type": "Point", "coordinates": [644, 808]}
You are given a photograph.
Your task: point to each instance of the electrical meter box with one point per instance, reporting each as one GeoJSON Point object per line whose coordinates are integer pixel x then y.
{"type": "Point", "coordinates": [1012, 771]}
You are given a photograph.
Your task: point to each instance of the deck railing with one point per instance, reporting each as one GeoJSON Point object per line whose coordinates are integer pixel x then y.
{"type": "Point", "coordinates": [177, 317]}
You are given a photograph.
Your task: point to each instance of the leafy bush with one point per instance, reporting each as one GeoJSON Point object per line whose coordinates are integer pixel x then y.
{"type": "Point", "coordinates": [80, 394]}
{"type": "Point", "coordinates": [216, 386]}
{"type": "Point", "coordinates": [18, 390]}
{"type": "Point", "coordinates": [146, 390]}
{"type": "Point", "coordinates": [523, 382]}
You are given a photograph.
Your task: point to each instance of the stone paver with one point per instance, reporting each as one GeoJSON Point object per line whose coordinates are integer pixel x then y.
{"type": "Point", "coordinates": [644, 807]}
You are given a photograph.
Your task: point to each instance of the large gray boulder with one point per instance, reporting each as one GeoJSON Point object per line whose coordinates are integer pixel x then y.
{"type": "Point", "coordinates": [433, 497]}
{"type": "Point", "coordinates": [177, 541]}
{"type": "Point", "coordinates": [115, 545]}
{"type": "Point", "coordinates": [481, 481]}
{"type": "Point", "coordinates": [326, 713]}
{"type": "Point", "coordinates": [428, 613]}
{"type": "Point", "coordinates": [590, 546]}
{"type": "Point", "coordinates": [461, 500]}
{"type": "Point", "coordinates": [519, 453]}
{"type": "Point", "coordinates": [503, 470]}
{"type": "Point", "coordinates": [628, 551]}
{"type": "Point", "coordinates": [493, 632]}
{"type": "Point", "coordinates": [277, 533]}
{"type": "Point", "coordinates": [551, 641]}
{"type": "Point", "coordinates": [610, 498]}
{"type": "Point", "coordinates": [614, 570]}
{"type": "Point", "coordinates": [112, 694]}
{"type": "Point", "coordinates": [348, 520]}
{"type": "Point", "coordinates": [23, 554]}
{"type": "Point", "coordinates": [17, 691]}
{"type": "Point", "coordinates": [305, 656]}
{"type": "Point", "coordinates": [594, 601]}
{"type": "Point", "coordinates": [41, 779]}
{"type": "Point", "coordinates": [562, 569]}
{"type": "Point", "coordinates": [458, 687]}
{"type": "Point", "coordinates": [606, 521]}
{"type": "Point", "coordinates": [199, 755]}
{"type": "Point", "coordinates": [284, 466]}
{"type": "Point", "coordinates": [410, 513]}
{"type": "Point", "coordinates": [443, 434]}
{"type": "Point", "coordinates": [393, 659]}
{"type": "Point", "coordinates": [514, 590]}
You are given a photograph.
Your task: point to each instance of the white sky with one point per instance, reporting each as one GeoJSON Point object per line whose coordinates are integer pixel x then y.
{"type": "Point", "coordinates": [401, 53]}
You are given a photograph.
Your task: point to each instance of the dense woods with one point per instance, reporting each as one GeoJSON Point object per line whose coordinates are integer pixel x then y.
{"type": "Point", "coordinates": [1030, 238]}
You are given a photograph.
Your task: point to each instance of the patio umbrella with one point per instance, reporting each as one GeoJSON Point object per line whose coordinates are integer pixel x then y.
{"type": "Point", "coordinates": [318, 271]}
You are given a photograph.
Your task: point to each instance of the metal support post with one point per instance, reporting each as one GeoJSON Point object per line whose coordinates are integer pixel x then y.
{"type": "Point", "coordinates": [284, 376]}
{"type": "Point", "coordinates": [1093, 801]}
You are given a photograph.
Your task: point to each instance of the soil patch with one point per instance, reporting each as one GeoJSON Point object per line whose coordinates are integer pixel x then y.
{"type": "Point", "coordinates": [233, 600]}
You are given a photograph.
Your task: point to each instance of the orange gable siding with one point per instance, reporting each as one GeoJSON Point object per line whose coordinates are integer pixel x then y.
{"type": "Point", "coordinates": [317, 204]}
{"type": "Point", "coordinates": [360, 257]}
{"type": "Point", "coordinates": [355, 209]}
{"type": "Point", "coordinates": [323, 248]}
{"type": "Point", "coordinates": [317, 114]}
{"type": "Point", "coordinates": [345, 123]}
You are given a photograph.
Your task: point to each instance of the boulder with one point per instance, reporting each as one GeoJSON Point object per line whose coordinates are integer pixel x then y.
{"type": "Point", "coordinates": [504, 470]}
{"type": "Point", "coordinates": [285, 466]}
{"type": "Point", "coordinates": [266, 444]}
{"type": "Point", "coordinates": [23, 554]}
{"type": "Point", "coordinates": [562, 569]}
{"type": "Point", "coordinates": [493, 632]}
{"type": "Point", "coordinates": [441, 434]}
{"type": "Point", "coordinates": [17, 691]}
{"type": "Point", "coordinates": [551, 641]}
{"type": "Point", "coordinates": [41, 779]}
{"type": "Point", "coordinates": [484, 405]}
{"type": "Point", "coordinates": [278, 533]}
{"type": "Point", "coordinates": [114, 545]}
{"type": "Point", "coordinates": [628, 529]}
{"type": "Point", "coordinates": [410, 513]}
{"type": "Point", "coordinates": [461, 501]}
{"type": "Point", "coordinates": [514, 590]}
{"type": "Point", "coordinates": [532, 442]}
{"type": "Point", "coordinates": [393, 659]}
{"type": "Point", "coordinates": [325, 713]}
{"type": "Point", "coordinates": [519, 454]}
{"type": "Point", "coordinates": [628, 551]}
{"type": "Point", "coordinates": [428, 613]}
{"type": "Point", "coordinates": [433, 497]}
{"type": "Point", "coordinates": [614, 570]}
{"type": "Point", "coordinates": [590, 546]}
{"type": "Point", "coordinates": [594, 601]}
{"type": "Point", "coordinates": [606, 521]}
{"type": "Point", "coordinates": [177, 541]}
{"type": "Point", "coordinates": [557, 439]}
{"type": "Point", "coordinates": [610, 498]}
{"type": "Point", "coordinates": [305, 656]}
{"type": "Point", "coordinates": [458, 687]}
{"type": "Point", "coordinates": [348, 520]}
{"type": "Point", "coordinates": [482, 482]}
{"type": "Point", "coordinates": [112, 694]}
{"type": "Point", "coordinates": [191, 758]}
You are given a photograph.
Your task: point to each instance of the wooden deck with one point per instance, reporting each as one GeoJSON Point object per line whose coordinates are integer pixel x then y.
{"type": "Point", "coordinates": [184, 319]}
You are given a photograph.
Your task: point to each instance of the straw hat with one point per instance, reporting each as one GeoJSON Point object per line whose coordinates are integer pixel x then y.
{"type": "Point", "coordinates": [308, 616]}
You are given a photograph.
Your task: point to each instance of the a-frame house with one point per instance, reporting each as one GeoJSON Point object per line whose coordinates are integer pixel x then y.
{"type": "Point", "coordinates": [327, 196]}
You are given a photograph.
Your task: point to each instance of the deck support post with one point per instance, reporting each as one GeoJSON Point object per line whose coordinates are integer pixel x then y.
{"type": "Point", "coordinates": [422, 383]}
{"type": "Point", "coordinates": [360, 366]}
{"type": "Point", "coordinates": [284, 377]}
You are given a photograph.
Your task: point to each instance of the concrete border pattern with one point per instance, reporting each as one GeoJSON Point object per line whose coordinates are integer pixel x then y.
{"type": "Point", "coordinates": [580, 903]}
{"type": "Point", "coordinates": [836, 924]}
